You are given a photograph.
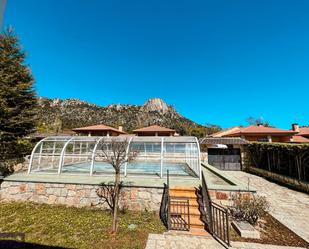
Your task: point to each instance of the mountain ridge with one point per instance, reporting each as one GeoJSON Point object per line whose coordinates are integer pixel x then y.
{"type": "Point", "coordinates": [56, 115]}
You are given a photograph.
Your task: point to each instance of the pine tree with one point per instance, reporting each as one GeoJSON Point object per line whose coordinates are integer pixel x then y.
{"type": "Point", "coordinates": [17, 96]}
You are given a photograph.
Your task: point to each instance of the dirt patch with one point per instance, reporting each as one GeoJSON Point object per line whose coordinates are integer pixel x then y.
{"type": "Point", "coordinates": [274, 233]}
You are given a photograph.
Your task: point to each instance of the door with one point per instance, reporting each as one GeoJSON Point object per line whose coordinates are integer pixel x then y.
{"type": "Point", "coordinates": [225, 159]}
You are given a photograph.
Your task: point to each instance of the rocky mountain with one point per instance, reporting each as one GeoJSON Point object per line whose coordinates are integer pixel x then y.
{"type": "Point", "coordinates": [56, 115]}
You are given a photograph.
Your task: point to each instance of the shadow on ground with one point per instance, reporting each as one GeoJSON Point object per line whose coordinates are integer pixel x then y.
{"type": "Point", "coordinates": [12, 244]}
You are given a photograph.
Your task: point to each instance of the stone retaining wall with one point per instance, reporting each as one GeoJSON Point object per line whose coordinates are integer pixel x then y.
{"type": "Point", "coordinates": [225, 198]}
{"type": "Point", "coordinates": [78, 195]}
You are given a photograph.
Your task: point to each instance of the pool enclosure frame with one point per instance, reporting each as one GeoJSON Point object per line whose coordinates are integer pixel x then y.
{"type": "Point", "coordinates": [88, 149]}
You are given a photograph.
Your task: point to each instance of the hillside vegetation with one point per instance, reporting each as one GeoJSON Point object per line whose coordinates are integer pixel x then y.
{"type": "Point", "coordinates": [56, 115]}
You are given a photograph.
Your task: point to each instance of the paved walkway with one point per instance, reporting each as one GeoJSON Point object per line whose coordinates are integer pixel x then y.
{"type": "Point", "coordinates": [173, 241]}
{"type": "Point", "coordinates": [290, 207]}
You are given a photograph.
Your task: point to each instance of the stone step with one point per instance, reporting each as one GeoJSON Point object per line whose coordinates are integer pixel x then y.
{"type": "Point", "coordinates": [197, 226]}
{"type": "Point", "coordinates": [182, 188]}
{"type": "Point", "coordinates": [199, 232]}
{"type": "Point", "coordinates": [195, 220]}
{"type": "Point", "coordinates": [192, 231]}
{"type": "Point", "coordinates": [188, 194]}
{"type": "Point", "coordinates": [192, 202]}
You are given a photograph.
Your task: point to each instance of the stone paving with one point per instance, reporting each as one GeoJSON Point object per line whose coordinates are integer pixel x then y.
{"type": "Point", "coordinates": [243, 245]}
{"type": "Point", "coordinates": [290, 207]}
{"type": "Point", "coordinates": [172, 241]}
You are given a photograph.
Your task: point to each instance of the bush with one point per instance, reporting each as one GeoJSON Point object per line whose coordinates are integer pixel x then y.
{"type": "Point", "coordinates": [249, 209]}
{"type": "Point", "coordinates": [12, 153]}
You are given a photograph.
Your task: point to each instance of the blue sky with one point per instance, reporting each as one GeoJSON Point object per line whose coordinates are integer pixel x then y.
{"type": "Point", "coordinates": [216, 61]}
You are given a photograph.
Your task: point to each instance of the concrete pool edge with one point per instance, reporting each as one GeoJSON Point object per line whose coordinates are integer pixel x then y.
{"type": "Point", "coordinates": [132, 181]}
{"type": "Point", "coordinates": [236, 184]}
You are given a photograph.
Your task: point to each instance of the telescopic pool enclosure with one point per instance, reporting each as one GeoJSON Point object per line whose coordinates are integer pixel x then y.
{"type": "Point", "coordinates": [83, 155]}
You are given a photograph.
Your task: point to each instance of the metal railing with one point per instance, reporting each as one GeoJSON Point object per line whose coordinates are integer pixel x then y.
{"type": "Point", "coordinates": [179, 214]}
{"type": "Point", "coordinates": [174, 211]}
{"type": "Point", "coordinates": [220, 223]}
{"type": "Point", "coordinates": [214, 216]}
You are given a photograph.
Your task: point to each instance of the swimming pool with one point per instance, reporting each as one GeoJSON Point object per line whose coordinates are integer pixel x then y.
{"type": "Point", "coordinates": [139, 167]}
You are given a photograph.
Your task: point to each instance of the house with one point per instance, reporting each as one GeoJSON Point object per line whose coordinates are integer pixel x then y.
{"type": "Point", "coordinates": [302, 135]}
{"type": "Point", "coordinates": [99, 130]}
{"type": "Point", "coordinates": [154, 130]}
{"type": "Point", "coordinates": [259, 133]}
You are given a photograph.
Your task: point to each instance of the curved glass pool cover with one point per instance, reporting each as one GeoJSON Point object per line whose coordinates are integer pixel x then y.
{"type": "Point", "coordinates": [83, 155]}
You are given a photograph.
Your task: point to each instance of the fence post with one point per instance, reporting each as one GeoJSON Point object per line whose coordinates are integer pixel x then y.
{"type": "Point", "coordinates": [168, 201]}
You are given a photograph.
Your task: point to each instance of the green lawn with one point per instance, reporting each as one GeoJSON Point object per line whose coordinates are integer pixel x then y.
{"type": "Point", "coordinates": [70, 227]}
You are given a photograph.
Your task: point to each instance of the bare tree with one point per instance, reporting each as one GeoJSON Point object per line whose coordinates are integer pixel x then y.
{"type": "Point", "coordinates": [114, 151]}
{"type": "Point", "coordinates": [257, 121]}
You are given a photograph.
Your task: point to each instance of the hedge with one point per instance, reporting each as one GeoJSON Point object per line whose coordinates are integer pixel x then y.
{"type": "Point", "coordinates": [290, 160]}
{"type": "Point", "coordinates": [12, 153]}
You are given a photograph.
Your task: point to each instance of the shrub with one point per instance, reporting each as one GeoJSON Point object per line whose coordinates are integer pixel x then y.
{"type": "Point", "coordinates": [249, 209]}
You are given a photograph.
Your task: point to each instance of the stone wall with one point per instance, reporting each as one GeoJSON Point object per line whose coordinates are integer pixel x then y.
{"type": "Point", "coordinates": [225, 197]}
{"type": "Point", "coordinates": [78, 195]}
{"type": "Point", "coordinates": [246, 160]}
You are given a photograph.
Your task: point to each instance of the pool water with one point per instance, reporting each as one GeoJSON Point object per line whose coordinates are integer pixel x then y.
{"type": "Point", "coordinates": [154, 168]}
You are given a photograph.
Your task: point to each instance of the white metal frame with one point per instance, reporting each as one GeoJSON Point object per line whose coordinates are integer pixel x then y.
{"type": "Point", "coordinates": [93, 155]}
{"type": "Point", "coordinates": [127, 152]}
{"type": "Point", "coordinates": [199, 157]}
{"type": "Point", "coordinates": [32, 153]}
{"type": "Point", "coordinates": [62, 154]}
{"type": "Point", "coordinates": [190, 155]}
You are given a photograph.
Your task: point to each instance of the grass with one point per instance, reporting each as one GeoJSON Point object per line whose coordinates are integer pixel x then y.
{"type": "Point", "coordinates": [70, 227]}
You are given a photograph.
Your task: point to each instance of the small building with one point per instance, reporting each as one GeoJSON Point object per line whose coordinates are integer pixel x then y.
{"type": "Point", "coordinates": [258, 133]}
{"type": "Point", "coordinates": [99, 130]}
{"type": "Point", "coordinates": [154, 130]}
{"type": "Point", "coordinates": [224, 153]}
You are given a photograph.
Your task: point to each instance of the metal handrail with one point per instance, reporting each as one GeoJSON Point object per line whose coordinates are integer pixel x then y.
{"type": "Point", "coordinates": [215, 216]}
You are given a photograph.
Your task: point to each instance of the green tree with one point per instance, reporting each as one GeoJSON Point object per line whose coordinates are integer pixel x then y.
{"type": "Point", "coordinates": [17, 96]}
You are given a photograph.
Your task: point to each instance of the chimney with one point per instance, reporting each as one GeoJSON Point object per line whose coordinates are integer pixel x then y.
{"type": "Point", "coordinates": [295, 127]}
{"type": "Point", "coordinates": [120, 128]}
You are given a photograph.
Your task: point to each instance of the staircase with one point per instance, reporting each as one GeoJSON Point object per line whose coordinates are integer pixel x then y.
{"type": "Point", "coordinates": [197, 227]}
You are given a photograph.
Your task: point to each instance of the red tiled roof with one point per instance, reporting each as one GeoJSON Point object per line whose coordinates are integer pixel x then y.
{"type": "Point", "coordinates": [300, 139]}
{"type": "Point", "coordinates": [99, 127]}
{"type": "Point", "coordinates": [303, 131]}
{"type": "Point", "coordinates": [261, 130]}
{"type": "Point", "coordinates": [154, 128]}
{"type": "Point", "coordinates": [225, 132]}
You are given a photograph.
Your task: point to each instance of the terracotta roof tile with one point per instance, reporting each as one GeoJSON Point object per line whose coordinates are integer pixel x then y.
{"type": "Point", "coordinates": [99, 127]}
{"type": "Point", "coordinates": [303, 131]}
{"type": "Point", "coordinates": [300, 139]}
{"type": "Point", "coordinates": [225, 132]}
{"type": "Point", "coordinates": [154, 128]}
{"type": "Point", "coordinates": [259, 129]}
